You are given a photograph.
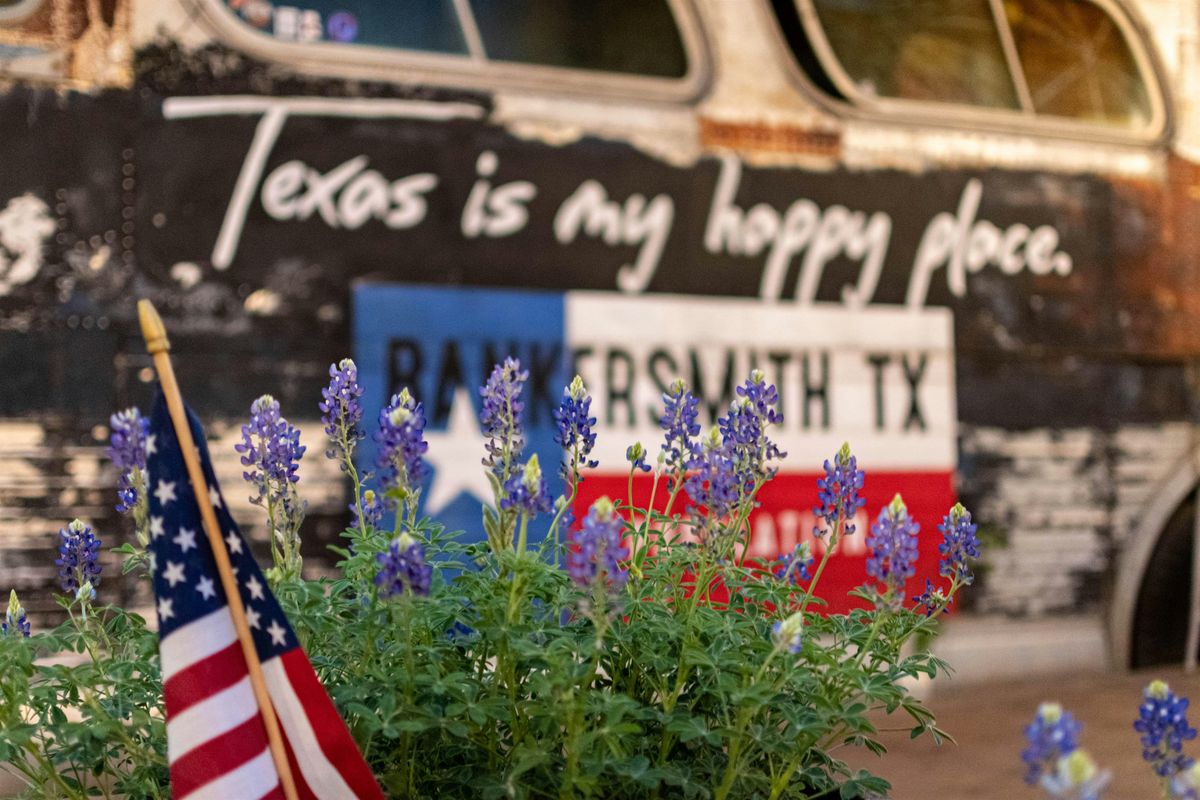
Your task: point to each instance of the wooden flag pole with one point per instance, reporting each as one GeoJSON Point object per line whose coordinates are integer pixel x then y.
{"type": "Point", "coordinates": [159, 348]}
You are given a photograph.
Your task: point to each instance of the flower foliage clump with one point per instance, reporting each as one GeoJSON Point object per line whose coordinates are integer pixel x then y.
{"type": "Point", "coordinates": [624, 653]}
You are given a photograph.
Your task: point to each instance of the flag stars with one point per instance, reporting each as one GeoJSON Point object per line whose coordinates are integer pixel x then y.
{"type": "Point", "coordinates": [156, 527]}
{"type": "Point", "coordinates": [165, 610]}
{"type": "Point", "coordinates": [214, 497]}
{"type": "Point", "coordinates": [153, 562]}
{"type": "Point", "coordinates": [235, 543]}
{"type": "Point", "coordinates": [253, 618]}
{"type": "Point", "coordinates": [165, 492]}
{"type": "Point", "coordinates": [173, 574]}
{"type": "Point", "coordinates": [277, 632]}
{"type": "Point", "coordinates": [205, 587]}
{"type": "Point", "coordinates": [151, 448]}
{"type": "Point", "coordinates": [255, 586]}
{"type": "Point", "coordinates": [186, 539]}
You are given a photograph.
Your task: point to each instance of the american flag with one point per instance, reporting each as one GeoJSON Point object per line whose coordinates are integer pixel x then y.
{"type": "Point", "coordinates": [216, 740]}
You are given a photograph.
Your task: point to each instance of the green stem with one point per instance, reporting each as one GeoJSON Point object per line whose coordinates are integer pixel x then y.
{"type": "Point", "coordinates": [812, 585]}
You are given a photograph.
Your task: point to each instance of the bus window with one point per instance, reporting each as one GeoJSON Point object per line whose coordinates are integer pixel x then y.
{"type": "Point", "coordinates": [611, 36]}
{"type": "Point", "coordinates": [938, 50]}
{"type": "Point", "coordinates": [1062, 65]}
{"type": "Point", "coordinates": [1077, 63]}
{"type": "Point", "coordinates": [608, 36]}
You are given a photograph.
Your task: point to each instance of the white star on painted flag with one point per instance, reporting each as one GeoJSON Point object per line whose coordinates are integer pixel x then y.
{"type": "Point", "coordinates": [186, 539]}
{"type": "Point", "coordinates": [234, 541]}
{"type": "Point", "coordinates": [165, 611]}
{"type": "Point", "coordinates": [255, 587]}
{"type": "Point", "coordinates": [165, 492]}
{"type": "Point", "coordinates": [205, 587]}
{"type": "Point", "coordinates": [156, 527]}
{"type": "Point", "coordinates": [278, 632]}
{"type": "Point", "coordinates": [214, 497]}
{"type": "Point", "coordinates": [455, 455]}
{"type": "Point", "coordinates": [151, 449]}
{"type": "Point", "coordinates": [173, 574]}
{"type": "Point", "coordinates": [252, 617]}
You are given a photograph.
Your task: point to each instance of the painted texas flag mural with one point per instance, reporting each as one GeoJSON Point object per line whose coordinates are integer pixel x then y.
{"type": "Point", "coordinates": [882, 379]}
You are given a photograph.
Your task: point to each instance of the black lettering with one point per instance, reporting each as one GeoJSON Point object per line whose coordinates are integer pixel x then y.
{"type": "Point", "coordinates": [814, 391]}
{"type": "Point", "coordinates": [716, 405]}
{"type": "Point", "coordinates": [577, 357]}
{"type": "Point", "coordinates": [542, 368]}
{"type": "Point", "coordinates": [878, 361]}
{"type": "Point", "coordinates": [913, 374]}
{"type": "Point", "coordinates": [404, 366]}
{"type": "Point", "coordinates": [623, 391]}
{"type": "Point", "coordinates": [780, 360]}
{"type": "Point", "coordinates": [494, 357]}
{"type": "Point", "coordinates": [662, 383]}
{"type": "Point", "coordinates": [450, 377]}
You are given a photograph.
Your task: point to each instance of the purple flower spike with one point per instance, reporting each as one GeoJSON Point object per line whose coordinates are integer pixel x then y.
{"type": "Point", "coordinates": [526, 490]}
{"type": "Point", "coordinates": [712, 485]}
{"type": "Point", "coordinates": [960, 545]}
{"type": "Point", "coordinates": [1162, 721]}
{"type": "Point", "coordinates": [127, 452]}
{"type": "Point", "coordinates": [402, 568]}
{"type": "Point", "coordinates": [793, 567]}
{"type": "Point", "coordinates": [1054, 733]}
{"type": "Point", "coordinates": [837, 494]}
{"type": "Point", "coordinates": [271, 449]}
{"type": "Point", "coordinates": [15, 622]}
{"type": "Point", "coordinates": [342, 412]}
{"type": "Point", "coordinates": [635, 454]}
{"type": "Point", "coordinates": [78, 550]}
{"type": "Point", "coordinates": [501, 417]}
{"type": "Point", "coordinates": [597, 550]}
{"type": "Point", "coordinates": [402, 444]}
{"type": "Point", "coordinates": [931, 600]}
{"type": "Point", "coordinates": [681, 411]}
{"type": "Point", "coordinates": [893, 546]}
{"type": "Point", "coordinates": [744, 432]}
{"type": "Point", "coordinates": [574, 433]}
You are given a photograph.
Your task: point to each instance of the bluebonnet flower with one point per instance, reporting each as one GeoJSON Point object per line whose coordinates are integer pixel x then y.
{"type": "Point", "coordinates": [15, 622]}
{"type": "Point", "coordinates": [744, 431]}
{"type": "Point", "coordinates": [271, 450]}
{"type": "Point", "coordinates": [341, 411]}
{"type": "Point", "coordinates": [931, 600]}
{"type": "Point", "coordinates": [597, 547]}
{"type": "Point", "coordinates": [1076, 777]}
{"type": "Point", "coordinates": [1054, 733]}
{"type": "Point", "coordinates": [893, 546]}
{"type": "Point", "coordinates": [793, 567]}
{"type": "Point", "coordinates": [635, 454]}
{"type": "Point", "coordinates": [402, 444]}
{"type": "Point", "coordinates": [127, 452]}
{"type": "Point", "coordinates": [788, 634]}
{"type": "Point", "coordinates": [402, 568]}
{"type": "Point", "coordinates": [372, 510]}
{"type": "Point", "coordinates": [681, 412]}
{"type": "Point", "coordinates": [78, 550]}
{"type": "Point", "coordinates": [1162, 721]}
{"type": "Point", "coordinates": [574, 433]}
{"type": "Point", "coordinates": [1185, 785]}
{"type": "Point", "coordinates": [501, 416]}
{"type": "Point", "coordinates": [712, 485]}
{"type": "Point", "coordinates": [526, 490]}
{"type": "Point", "coordinates": [837, 494]}
{"type": "Point", "coordinates": [959, 544]}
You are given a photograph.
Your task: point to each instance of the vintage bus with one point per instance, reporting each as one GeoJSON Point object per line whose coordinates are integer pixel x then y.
{"type": "Point", "coordinates": [960, 234]}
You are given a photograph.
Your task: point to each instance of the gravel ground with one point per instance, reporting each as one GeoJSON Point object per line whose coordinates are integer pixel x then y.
{"type": "Point", "coordinates": [988, 720]}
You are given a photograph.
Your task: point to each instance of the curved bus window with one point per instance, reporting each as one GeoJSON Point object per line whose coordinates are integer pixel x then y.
{"type": "Point", "coordinates": [1077, 62]}
{"type": "Point", "coordinates": [642, 39]}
